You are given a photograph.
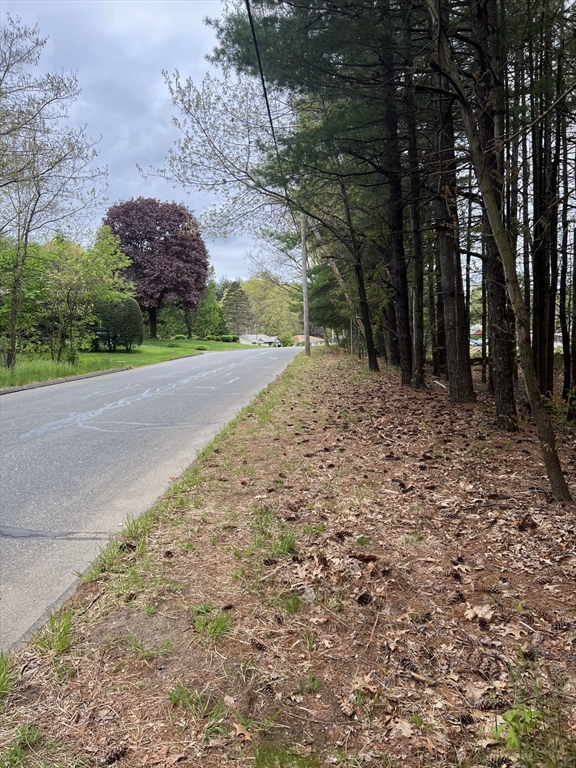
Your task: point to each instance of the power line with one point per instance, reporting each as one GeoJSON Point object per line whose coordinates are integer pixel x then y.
{"type": "Point", "coordinates": [257, 49]}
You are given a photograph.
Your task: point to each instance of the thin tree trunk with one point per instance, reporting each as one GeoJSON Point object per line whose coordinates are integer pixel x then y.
{"type": "Point", "coordinates": [563, 292]}
{"type": "Point", "coordinates": [418, 359]}
{"type": "Point", "coordinates": [489, 89]}
{"type": "Point", "coordinates": [455, 320]}
{"type": "Point", "coordinates": [395, 205]}
{"type": "Point", "coordinates": [153, 318]}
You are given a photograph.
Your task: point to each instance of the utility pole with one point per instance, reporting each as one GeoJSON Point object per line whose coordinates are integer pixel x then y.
{"type": "Point", "coordinates": [305, 284]}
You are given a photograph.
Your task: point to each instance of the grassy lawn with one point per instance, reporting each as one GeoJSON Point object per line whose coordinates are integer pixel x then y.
{"type": "Point", "coordinates": [28, 370]}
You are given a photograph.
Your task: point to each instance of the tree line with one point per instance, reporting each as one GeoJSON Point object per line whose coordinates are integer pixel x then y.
{"type": "Point", "coordinates": [430, 144]}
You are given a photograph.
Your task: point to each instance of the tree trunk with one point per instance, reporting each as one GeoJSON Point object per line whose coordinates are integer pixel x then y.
{"type": "Point", "coordinates": [360, 283]}
{"type": "Point", "coordinates": [189, 322]}
{"type": "Point", "coordinates": [395, 206]}
{"type": "Point", "coordinates": [489, 90]}
{"type": "Point", "coordinates": [543, 423]}
{"type": "Point", "coordinates": [563, 289]}
{"type": "Point", "coordinates": [418, 356]}
{"type": "Point", "coordinates": [153, 318]}
{"type": "Point", "coordinates": [456, 323]}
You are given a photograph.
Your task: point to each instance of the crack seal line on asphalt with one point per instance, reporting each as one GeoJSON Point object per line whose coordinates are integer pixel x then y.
{"type": "Point", "coordinates": [9, 532]}
{"type": "Point", "coordinates": [79, 419]}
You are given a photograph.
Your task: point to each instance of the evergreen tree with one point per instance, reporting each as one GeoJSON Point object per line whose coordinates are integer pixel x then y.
{"type": "Point", "coordinates": [236, 309]}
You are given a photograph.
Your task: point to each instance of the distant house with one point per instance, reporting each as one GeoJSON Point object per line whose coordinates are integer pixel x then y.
{"type": "Point", "coordinates": [260, 340]}
{"type": "Point", "coordinates": [314, 341]}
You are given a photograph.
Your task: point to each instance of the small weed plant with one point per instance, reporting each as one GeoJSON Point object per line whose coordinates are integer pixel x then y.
{"type": "Point", "coordinates": [5, 677]}
{"type": "Point", "coordinates": [57, 636]}
{"type": "Point", "coordinates": [202, 706]}
{"type": "Point", "coordinates": [536, 728]}
{"type": "Point", "coordinates": [18, 749]}
{"type": "Point", "coordinates": [209, 622]}
{"type": "Point", "coordinates": [310, 683]}
{"type": "Point", "coordinates": [144, 652]}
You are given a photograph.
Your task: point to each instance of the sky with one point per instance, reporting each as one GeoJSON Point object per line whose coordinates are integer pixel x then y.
{"type": "Point", "coordinates": [118, 49]}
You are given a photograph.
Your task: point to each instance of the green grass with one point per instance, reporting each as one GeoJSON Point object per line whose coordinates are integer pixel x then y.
{"type": "Point", "coordinates": [140, 650]}
{"type": "Point", "coordinates": [57, 636]}
{"type": "Point", "coordinates": [5, 677]}
{"type": "Point", "coordinates": [310, 683]}
{"type": "Point", "coordinates": [212, 712]}
{"type": "Point", "coordinates": [27, 371]}
{"type": "Point", "coordinates": [209, 622]}
{"type": "Point", "coordinates": [17, 750]}
{"type": "Point", "coordinates": [274, 755]}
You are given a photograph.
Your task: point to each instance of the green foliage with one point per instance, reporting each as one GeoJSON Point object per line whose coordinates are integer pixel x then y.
{"type": "Point", "coordinates": [237, 310]}
{"type": "Point", "coordinates": [292, 602]}
{"type": "Point", "coordinates": [76, 279]}
{"type": "Point", "coordinates": [271, 307]}
{"type": "Point", "coordinates": [119, 323]}
{"type": "Point", "coordinates": [144, 652]}
{"type": "Point", "coordinates": [32, 292]}
{"type": "Point", "coordinates": [276, 755]}
{"type": "Point", "coordinates": [327, 306]}
{"type": "Point", "coordinates": [209, 318]}
{"type": "Point", "coordinates": [209, 622]}
{"type": "Point", "coordinates": [520, 723]}
{"type": "Point", "coordinates": [310, 683]}
{"type": "Point", "coordinates": [287, 340]}
{"type": "Point", "coordinates": [201, 705]}
{"type": "Point", "coordinates": [57, 636]}
{"type": "Point", "coordinates": [5, 677]}
{"type": "Point", "coordinates": [284, 545]}
{"type": "Point", "coordinates": [536, 728]}
{"type": "Point", "coordinates": [18, 749]}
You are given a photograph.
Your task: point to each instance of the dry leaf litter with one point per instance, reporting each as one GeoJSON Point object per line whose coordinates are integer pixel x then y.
{"type": "Point", "coordinates": [388, 571]}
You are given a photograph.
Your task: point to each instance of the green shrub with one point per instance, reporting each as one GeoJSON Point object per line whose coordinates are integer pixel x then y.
{"type": "Point", "coordinates": [179, 337]}
{"type": "Point", "coordinates": [287, 340]}
{"type": "Point", "coordinates": [119, 324]}
{"type": "Point", "coordinates": [229, 338]}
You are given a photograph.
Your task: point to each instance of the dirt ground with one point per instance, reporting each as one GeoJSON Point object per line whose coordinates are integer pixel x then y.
{"type": "Point", "coordinates": [354, 574]}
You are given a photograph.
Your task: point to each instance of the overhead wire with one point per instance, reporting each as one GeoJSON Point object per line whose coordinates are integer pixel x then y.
{"type": "Point", "coordinates": [263, 81]}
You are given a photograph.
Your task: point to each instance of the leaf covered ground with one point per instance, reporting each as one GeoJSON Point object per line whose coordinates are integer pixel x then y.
{"type": "Point", "coordinates": [353, 574]}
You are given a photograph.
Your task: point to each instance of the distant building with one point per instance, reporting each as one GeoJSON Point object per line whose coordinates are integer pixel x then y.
{"type": "Point", "coordinates": [260, 340]}
{"type": "Point", "coordinates": [314, 341]}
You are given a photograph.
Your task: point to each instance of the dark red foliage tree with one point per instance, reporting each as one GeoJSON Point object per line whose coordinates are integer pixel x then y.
{"type": "Point", "coordinates": [169, 258]}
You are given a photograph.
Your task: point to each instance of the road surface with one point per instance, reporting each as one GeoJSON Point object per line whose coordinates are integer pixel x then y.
{"type": "Point", "coordinates": [76, 458]}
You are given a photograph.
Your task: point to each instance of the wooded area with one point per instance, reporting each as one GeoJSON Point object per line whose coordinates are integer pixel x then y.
{"type": "Point", "coordinates": [431, 146]}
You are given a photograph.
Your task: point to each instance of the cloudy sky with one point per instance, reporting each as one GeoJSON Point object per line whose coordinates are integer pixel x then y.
{"type": "Point", "coordinates": [118, 48]}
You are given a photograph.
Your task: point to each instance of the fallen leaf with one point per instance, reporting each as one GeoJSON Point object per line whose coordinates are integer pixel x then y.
{"type": "Point", "coordinates": [401, 729]}
{"type": "Point", "coordinates": [514, 630]}
{"type": "Point", "coordinates": [241, 731]}
{"type": "Point", "coordinates": [230, 701]}
{"type": "Point", "coordinates": [475, 692]}
{"type": "Point", "coordinates": [365, 684]}
{"type": "Point", "coordinates": [481, 611]}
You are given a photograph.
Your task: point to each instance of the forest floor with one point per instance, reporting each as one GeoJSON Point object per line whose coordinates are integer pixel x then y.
{"type": "Point", "coordinates": [353, 573]}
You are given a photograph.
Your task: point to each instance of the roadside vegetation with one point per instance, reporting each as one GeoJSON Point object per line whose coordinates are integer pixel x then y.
{"type": "Point", "coordinates": [27, 371]}
{"type": "Point", "coordinates": [350, 574]}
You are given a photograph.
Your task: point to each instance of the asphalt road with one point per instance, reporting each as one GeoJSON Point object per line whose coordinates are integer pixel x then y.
{"type": "Point", "coordinates": [76, 458]}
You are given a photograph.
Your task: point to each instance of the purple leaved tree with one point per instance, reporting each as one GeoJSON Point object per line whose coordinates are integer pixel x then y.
{"type": "Point", "coordinates": [169, 258]}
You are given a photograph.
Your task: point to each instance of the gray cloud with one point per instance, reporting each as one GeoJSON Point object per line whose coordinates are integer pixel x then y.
{"type": "Point", "coordinates": [118, 48]}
